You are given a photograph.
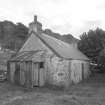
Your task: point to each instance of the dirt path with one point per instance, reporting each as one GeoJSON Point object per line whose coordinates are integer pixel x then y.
{"type": "Point", "coordinates": [88, 92]}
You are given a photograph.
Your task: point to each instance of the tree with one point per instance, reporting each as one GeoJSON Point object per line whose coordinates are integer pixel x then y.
{"type": "Point", "coordinates": [92, 43]}
{"type": "Point", "coordinates": [12, 36]}
{"type": "Point", "coordinates": [21, 31]}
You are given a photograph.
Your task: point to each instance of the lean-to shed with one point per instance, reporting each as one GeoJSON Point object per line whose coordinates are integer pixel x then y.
{"type": "Point", "coordinates": [46, 60]}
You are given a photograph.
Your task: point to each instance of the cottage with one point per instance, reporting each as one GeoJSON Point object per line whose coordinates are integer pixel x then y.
{"type": "Point", "coordinates": [46, 60]}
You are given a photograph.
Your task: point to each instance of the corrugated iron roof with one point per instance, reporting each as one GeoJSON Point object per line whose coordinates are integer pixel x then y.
{"type": "Point", "coordinates": [25, 56]}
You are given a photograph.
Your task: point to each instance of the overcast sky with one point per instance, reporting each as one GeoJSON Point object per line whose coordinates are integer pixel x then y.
{"type": "Point", "coordinates": [62, 16]}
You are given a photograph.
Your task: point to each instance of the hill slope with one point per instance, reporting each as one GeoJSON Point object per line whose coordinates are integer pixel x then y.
{"type": "Point", "coordinates": [12, 36]}
{"type": "Point", "coordinates": [66, 38]}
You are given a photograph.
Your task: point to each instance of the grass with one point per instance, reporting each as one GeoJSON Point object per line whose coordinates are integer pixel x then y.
{"type": "Point", "coordinates": [88, 92]}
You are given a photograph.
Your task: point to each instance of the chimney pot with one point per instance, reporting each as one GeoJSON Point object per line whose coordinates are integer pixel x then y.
{"type": "Point", "coordinates": [35, 18]}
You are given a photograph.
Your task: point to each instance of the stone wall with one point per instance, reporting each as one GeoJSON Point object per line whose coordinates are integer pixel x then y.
{"type": "Point", "coordinates": [57, 71]}
{"type": "Point", "coordinates": [63, 72]}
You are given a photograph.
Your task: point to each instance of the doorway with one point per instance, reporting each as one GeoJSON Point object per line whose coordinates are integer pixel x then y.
{"type": "Point", "coordinates": [38, 74]}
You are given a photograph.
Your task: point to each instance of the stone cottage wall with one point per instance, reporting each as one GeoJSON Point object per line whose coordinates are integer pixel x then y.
{"type": "Point", "coordinates": [63, 72]}
{"type": "Point", "coordinates": [57, 71]}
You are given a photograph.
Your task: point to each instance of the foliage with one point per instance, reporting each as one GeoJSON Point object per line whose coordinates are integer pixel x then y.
{"type": "Point", "coordinates": [68, 38]}
{"type": "Point", "coordinates": [12, 36]}
{"type": "Point", "coordinates": [92, 43]}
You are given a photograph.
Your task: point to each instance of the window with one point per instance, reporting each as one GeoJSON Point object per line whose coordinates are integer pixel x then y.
{"type": "Point", "coordinates": [41, 65]}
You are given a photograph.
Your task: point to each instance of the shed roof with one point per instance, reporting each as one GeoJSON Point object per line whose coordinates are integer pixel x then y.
{"type": "Point", "coordinates": [27, 56]}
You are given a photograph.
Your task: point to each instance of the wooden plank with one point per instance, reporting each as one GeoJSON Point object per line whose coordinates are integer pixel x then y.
{"type": "Point", "coordinates": [8, 71]}
{"type": "Point", "coordinates": [86, 70]}
{"type": "Point", "coordinates": [76, 71]}
{"type": "Point", "coordinates": [12, 72]}
{"type": "Point", "coordinates": [32, 74]}
{"type": "Point", "coordinates": [83, 71]}
{"type": "Point", "coordinates": [41, 77]}
{"type": "Point", "coordinates": [28, 75]}
{"type": "Point", "coordinates": [17, 73]}
{"type": "Point", "coordinates": [22, 73]}
{"type": "Point", "coordinates": [25, 68]}
{"type": "Point", "coordinates": [35, 74]}
{"type": "Point", "coordinates": [80, 71]}
{"type": "Point", "coordinates": [69, 71]}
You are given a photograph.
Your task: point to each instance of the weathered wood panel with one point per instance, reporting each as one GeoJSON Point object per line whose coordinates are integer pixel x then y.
{"type": "Point", "coordinates": [76, 71]}
{"type": "Point", "coordinates": [17, 73]}
{"type": "Point", "coordinates": [69, 72]}
{"type": "Point", "coordinates": [8, 71]}
{"type": "Point", "coordinates": [83, 70]}
{"type": "Point", "coordinates": [28, 75]}
{"type": "Point", "coordinates": [86, 70]}
{"type": "Point", "coordinates": [35, 74]}
{"type": "Point", "coordinates": [12, 72]}
{"type": "Point", "coordinates": [22, 73]}
{"type": "Point", "coordinates": [41, 77]}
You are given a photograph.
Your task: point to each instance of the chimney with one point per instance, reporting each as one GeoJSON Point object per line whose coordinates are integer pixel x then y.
{"type": "Point", "coordinates": [35, 26]}
{"type": "Point", "coordinates": [35, 18]}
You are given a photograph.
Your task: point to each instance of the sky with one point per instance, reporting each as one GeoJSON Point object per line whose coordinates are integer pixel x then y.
{"type": "Point", "coordinates": [61, 16]}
